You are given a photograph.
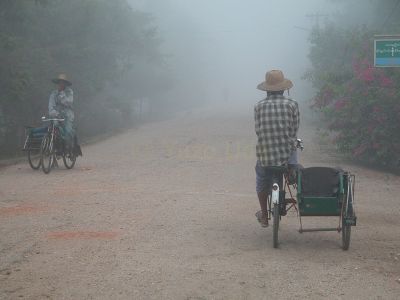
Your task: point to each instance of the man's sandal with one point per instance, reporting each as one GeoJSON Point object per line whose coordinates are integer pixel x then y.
{"type": "Point", "coordinates": [261, 219]}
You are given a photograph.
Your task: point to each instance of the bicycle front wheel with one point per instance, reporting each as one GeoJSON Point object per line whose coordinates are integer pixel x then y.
{"type": "Point", "coordinates": [276, 216]}
{"type": "Point", "coordinates": [47, 154]}
{"type": "Point", "coordinates": [69, 160]}
{"type": "Point", "coordinates": [34, 159]}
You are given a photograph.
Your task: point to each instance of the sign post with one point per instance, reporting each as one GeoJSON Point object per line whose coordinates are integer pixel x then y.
{"type": "Point", "coordinates": [387, 51]}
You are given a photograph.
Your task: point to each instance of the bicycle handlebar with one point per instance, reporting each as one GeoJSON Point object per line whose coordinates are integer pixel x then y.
{"type": "Point", "coordinates": [299, 144]}
{"type": "Point", "coordinates": [44, 119]}
{"type": "Point", "coordinates": [50, 120]}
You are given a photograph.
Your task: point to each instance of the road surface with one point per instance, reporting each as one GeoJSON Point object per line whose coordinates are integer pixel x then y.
{"type": "Point", "coordinates": [166, 211]}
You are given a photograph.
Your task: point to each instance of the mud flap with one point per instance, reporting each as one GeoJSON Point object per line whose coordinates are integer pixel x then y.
{"type": "Point", "coordinates": [282, 203]}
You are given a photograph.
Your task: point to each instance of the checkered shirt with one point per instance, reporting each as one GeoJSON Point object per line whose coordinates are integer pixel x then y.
{"type": "Point", "coordinates": [277, 120]}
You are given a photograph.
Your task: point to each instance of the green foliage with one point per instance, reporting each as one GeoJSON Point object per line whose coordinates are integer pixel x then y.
{"type": "Point", "coordinates": [102, 45]}
{"type": "Point", "coordinates": [360, 103]}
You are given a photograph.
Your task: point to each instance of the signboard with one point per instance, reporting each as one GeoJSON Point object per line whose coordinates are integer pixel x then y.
{"type": "Point", "coordinates": [387, 51]}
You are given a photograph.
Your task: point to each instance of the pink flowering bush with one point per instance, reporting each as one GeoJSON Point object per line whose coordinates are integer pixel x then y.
{"type": "Point", "coordinates": [360, 103]}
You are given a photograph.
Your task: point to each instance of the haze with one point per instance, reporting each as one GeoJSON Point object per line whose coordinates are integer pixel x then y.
{"type": "Point", "coordinates": [222, 49]}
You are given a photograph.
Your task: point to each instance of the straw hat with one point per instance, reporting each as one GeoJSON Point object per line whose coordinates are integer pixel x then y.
{"type": "Point", "coordinates": [275, 81]}
{"type": "Point", "coordinates": [62, 78]}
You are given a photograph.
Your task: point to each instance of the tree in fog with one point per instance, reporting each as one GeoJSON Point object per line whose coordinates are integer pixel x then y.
{"type": "Point", "coordinates": [102, 45]}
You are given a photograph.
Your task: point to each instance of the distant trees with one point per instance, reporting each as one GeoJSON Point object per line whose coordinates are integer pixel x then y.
{"type": "Point", "coordinates": [105, 47]}
{"type": "Point", "coordinates": [360, 103]}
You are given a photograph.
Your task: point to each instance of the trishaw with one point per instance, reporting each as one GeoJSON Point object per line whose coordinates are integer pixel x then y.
{"type": "Point", "coordinates": [320, 192]}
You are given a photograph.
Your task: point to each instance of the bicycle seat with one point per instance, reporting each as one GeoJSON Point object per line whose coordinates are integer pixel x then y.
{"type": "Point", "coordinates": [281, 169]}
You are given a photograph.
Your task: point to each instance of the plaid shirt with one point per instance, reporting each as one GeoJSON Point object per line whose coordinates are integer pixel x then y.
{"type": "Point", "coordinates": [277, 120]}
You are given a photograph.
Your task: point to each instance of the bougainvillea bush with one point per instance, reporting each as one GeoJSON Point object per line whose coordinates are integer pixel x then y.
{"type": "Point", "coordinates": [360, 103]}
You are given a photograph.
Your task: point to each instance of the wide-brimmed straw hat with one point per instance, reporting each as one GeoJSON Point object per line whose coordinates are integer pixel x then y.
{"type": "Point", "coordinates": [275, 81]}
{"type": "Point", "coordinates": [62, 78]}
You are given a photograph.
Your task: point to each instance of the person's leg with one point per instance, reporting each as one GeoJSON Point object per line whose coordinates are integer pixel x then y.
{"type": "Point", "coordinates": [77, 148]}
{"type": "Point", "coordinates": [293, 167]}
{"type": "Point", "coordinates": [293, 158]}
{"type": "Point", "coordinates": [263, 199]}
{"type": "Point", "coordinates": [262, 183]}
{"type": "Point", "coordinates": [68, 134]}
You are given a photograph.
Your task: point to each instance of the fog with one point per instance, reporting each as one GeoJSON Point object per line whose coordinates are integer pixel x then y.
{"type": "Point", "coordinates": [163, 56]}
{"type": "Point", "coordinates": [220, 50]}
{"type": "Point", "coordinates": [211, 52]}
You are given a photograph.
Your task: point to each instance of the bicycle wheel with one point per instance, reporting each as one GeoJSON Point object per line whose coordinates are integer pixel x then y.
{"type": "Point", "coordinates": [34, 159]}
{"type": "Point", "coordinates": [346, 229]}
{"type": "Point", "coordinates": [69, 160]}
{"type": "Point", "coordinates": [346, 233]}
{"type": "Point", "coordinates": [47, 154]}
{"type": "Point", "coordinates": [276, 216]}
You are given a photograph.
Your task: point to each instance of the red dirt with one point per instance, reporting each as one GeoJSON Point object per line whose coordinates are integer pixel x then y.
{"type": "Point", "coordinates": [18, 210]}
{"type": "Point", "coordinates": [83, 235]}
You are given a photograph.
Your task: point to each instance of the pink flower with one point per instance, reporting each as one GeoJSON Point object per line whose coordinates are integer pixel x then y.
{"type": "Point", "coordinates": [376, 109]}
{"type": "Point", "coordinates": [367, 75]}
{"type": "Point", "coordinates": [339, 104]}
{"type": "Point", "coordinates": [386, 81]}
{"type": "Point", "coordinates": [376, 146]}
{"type": "Point", "coordinates": [359, 150]}
{"type": "Point", "coordinates": [365, 62]}
{"type": "Point", "coordinates": [392, 93]}
{"type": "Point", "coordinates": [371, 128]}
{"type": "Point", "coordinates": [356, 67]}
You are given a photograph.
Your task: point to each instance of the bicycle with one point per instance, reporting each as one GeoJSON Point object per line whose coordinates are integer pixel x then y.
{"type": "Point", "coordinates": [53, 147]}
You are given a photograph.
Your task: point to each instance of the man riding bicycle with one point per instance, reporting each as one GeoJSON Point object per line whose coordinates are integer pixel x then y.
{"type": "Point", "coordinates": [61, 106]}
{"type": "Point", "coordinates": [277, 121]}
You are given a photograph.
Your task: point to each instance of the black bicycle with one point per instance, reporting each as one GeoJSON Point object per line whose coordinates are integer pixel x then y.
{"type": "Point", "coordinates": [53, 148]}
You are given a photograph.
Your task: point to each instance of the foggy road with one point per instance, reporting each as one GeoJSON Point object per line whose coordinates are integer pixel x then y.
{"type": "Point", "coordinates": [166, 211]}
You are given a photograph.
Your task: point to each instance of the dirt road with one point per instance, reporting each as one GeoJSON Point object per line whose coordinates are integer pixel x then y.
{"type": "Point", "coordinates": [167, 212]}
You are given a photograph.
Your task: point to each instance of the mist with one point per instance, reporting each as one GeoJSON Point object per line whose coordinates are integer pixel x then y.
{"type": "Point", "coordinates": [134, 61]}
{"type": "Point", "coordinates": [220, 50]}
{"type": "Point", "coordinates": [138, 159]}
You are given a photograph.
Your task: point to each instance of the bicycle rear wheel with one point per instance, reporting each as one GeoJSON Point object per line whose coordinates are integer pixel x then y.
{"type": "Point", "coordinates": [47, 154]}
{"type": "Point", "coordinates": [347, 212]}
{"type": "Point", "coordinates": [276, 216]}
{"type": "Point", "coordinates": [346, 234]}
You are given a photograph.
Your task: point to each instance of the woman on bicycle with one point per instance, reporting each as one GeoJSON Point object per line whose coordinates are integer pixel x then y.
{"type": "Point", "coordinates": [277, 121]}
{"type": "Point", "coordinates": [61, 105]}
